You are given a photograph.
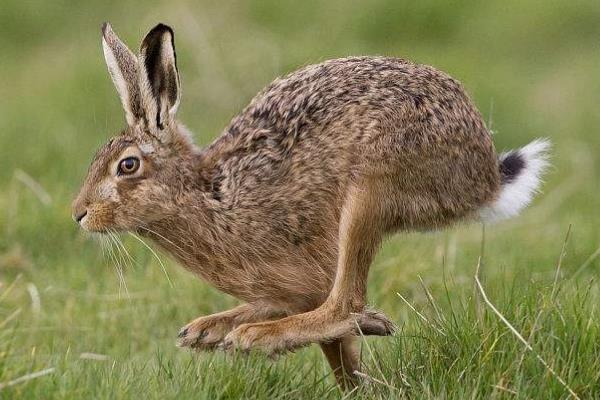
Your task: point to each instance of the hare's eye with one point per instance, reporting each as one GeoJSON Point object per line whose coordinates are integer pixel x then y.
{"type": "Point", "coordinates": [128, 166]}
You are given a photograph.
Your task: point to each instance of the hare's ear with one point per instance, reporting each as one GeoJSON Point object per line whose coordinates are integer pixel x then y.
{"type": "Point", "coordinates": [123, 67]}
{"type": "Point", "coordinates": [159, 78]}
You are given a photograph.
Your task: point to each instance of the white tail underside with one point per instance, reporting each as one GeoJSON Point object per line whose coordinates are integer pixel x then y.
{"type": "Point", "coordinates": [517, 193]}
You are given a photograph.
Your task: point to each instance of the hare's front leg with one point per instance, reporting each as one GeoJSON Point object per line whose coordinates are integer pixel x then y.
{"type": "Point", "coordinates": [205, 333]}
{"type": "Point", "coordinates": [362, 224]}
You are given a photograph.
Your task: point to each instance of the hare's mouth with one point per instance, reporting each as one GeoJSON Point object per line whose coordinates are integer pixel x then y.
{"type": "Point", "coordinates": [91, 223]}
{"type": "Point", "coordinates": [88, 227]}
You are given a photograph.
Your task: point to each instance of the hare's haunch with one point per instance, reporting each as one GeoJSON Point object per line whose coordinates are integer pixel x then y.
{"type": "Point", "coordinates": [286, 209]}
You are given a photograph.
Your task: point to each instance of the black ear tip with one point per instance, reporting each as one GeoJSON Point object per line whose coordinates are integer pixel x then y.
{"type": "Point", "coordinates": [162, 28]}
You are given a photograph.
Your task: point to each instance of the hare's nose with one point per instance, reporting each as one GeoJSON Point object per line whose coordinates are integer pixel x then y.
{"type": "Point", "coordinates": [79, 209]}
{"type": "Point", "coordinates": [80, 216]}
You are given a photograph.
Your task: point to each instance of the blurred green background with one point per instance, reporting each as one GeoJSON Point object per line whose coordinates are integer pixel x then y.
{"type": "Point", "coordinates": [533, 69]}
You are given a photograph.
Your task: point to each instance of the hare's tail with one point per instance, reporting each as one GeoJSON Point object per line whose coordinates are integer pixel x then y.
{"type": "Point", "coordinates": [521, 171]}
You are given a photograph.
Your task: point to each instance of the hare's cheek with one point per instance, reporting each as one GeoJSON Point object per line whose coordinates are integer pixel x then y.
{"type": "Point", "coordinates": [107, 191]}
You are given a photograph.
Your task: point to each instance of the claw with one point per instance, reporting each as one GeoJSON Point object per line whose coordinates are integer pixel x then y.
{"type": "Point", "coordinates": [195, 341]}
{"type": "Point", "coordinates": [183, 332]}
{"type": "Point", "coordinates": [198, 340]}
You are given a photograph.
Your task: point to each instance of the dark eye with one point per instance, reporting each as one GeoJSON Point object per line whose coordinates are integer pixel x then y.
{"type": "Point", "coordinates": [129, 165]}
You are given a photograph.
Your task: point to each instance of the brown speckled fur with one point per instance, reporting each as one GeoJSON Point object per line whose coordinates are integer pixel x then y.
{"type": "Point", "coordinates": [286, 209]}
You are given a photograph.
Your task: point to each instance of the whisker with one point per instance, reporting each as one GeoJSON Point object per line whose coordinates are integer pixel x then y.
{"type": "Point", "coordinates": [119, 266]}
{"type": "Point", "coordinates": [103, 246]}
{"type": "Point", "coordinates": [124, 250]}
{"type": "Point", "coordinates": [109, 250]}
{"type": "Point", "coordinates": [162, 266]}
{"type": "Point", "coordinates": [146, 228]}
{"type": "Point", "coordinates": [114, 261]}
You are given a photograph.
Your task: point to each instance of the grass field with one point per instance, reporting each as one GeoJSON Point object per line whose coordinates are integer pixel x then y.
{"type": "Point", "coordinates": [533, 68]}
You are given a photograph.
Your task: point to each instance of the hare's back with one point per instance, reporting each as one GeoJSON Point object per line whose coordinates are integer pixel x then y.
{"type": "Point", "coordinates": [305, 101]}
{"type": "Point", "coordinates": [303, 136]}
{"type": "Point", "coordinates": [349, 101]}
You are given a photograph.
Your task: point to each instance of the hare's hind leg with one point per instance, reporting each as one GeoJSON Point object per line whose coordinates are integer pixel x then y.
{"type": "Point", "coordinates": [343, 359]}
{"type": "Point", "coordinates": [343, 313]}
{"type": "Point", "coordinates": [205, 333]}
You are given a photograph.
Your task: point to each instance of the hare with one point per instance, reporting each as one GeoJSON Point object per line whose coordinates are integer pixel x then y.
{"type": "Point", "coordinates": [287, 208]}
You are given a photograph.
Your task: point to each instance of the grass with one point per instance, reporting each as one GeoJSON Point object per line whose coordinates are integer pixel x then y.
{"type": "Point", "coordinates": [64, 311]}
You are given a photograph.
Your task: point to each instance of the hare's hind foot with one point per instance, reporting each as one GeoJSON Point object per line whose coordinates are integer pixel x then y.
{"type": "Point", "coordinates": [205, 333]}
{"type": "Point", "coordinates": [300, 330]}
{"type": "Point", "coordinates": [343, 357]}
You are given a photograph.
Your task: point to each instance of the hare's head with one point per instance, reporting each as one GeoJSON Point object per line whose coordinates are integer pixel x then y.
{"type": "Point", "coordinates": [135, 178]}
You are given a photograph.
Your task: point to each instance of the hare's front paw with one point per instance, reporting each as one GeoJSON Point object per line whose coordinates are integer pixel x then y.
{"type": "Point", "coordinates": [275, 337]}
{"type": "Point", "coordinates": [204, 333]}
{"type": "Point", "coordinates": [264, 337]}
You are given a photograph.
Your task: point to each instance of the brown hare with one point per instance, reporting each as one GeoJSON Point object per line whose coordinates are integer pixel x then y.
{"type": "Point", "coordinates": [287, 208]}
